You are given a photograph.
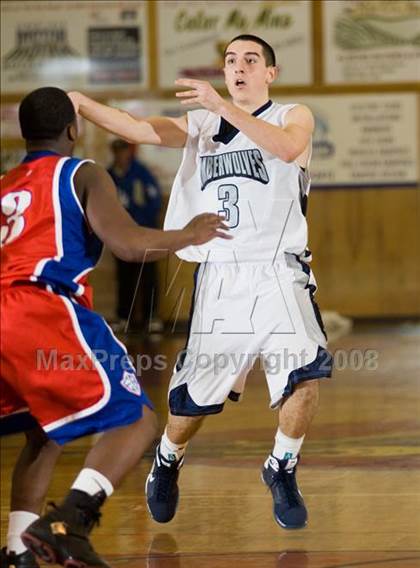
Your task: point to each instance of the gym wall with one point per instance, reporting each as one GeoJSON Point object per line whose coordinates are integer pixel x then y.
{"type": "Point", "coordinates": [356, 64]}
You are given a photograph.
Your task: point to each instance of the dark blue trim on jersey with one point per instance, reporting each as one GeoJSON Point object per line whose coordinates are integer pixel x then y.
{"type": "Point", "coordinates": [234, 396]}
{"type": "Point", "coordinates": [30, 156]}
{"type": "Point", "coordinates": [312, 289]}
{"type": "Point", "coordinates": [227, 131]}
{"type": "Point", "coordinates": [123, 407]}
{"type": "Point", "coordinates": [180, 362]}
{"type": "Point", "coordinates": [17, 423]}
{"type": "Point", "coordinates": [181, 404]}
{"type": "Point", "coordinates": [320, 368]}
{"type": "Point", "coordinates": [81, 249]}
{"type": "Point", "coordinates": [78, 243]}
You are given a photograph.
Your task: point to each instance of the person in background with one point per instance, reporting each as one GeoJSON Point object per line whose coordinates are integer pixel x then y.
{"type": "Point", "coordinates": [140, 194]}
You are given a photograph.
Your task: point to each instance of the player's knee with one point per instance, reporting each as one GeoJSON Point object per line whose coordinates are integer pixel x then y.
{"type": "Point", "coordinates": [179, 419]}
{"type": "Point", "coordinates": [180, 429]}
{"type": "Point", "coordinates": [37, 441]}
{"type": "Point", "coordinates": [308, 392]}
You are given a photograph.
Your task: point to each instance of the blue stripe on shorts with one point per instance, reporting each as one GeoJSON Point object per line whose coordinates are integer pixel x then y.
{"type": "Point", "coordinates": [123, 407]}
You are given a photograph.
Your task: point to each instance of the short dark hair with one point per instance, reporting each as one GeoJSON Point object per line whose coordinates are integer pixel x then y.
{"type": "Point", "coordinates": [45, 113]}
{"type": "Point", "coordinates": [119, 144]}
{"type": "Point", "coordinates": [268, 51]}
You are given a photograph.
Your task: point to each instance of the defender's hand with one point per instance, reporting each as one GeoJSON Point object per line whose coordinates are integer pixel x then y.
{"type": "Point", "coordinates": [201, 93]}
{"type": "Point", "coordinates": [205, 227]}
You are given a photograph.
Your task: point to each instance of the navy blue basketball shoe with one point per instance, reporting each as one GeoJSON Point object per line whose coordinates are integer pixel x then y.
{"type": "Point", "coordinates": [162, 491]}
{"type": "Point", "coordinates": [280, 477]}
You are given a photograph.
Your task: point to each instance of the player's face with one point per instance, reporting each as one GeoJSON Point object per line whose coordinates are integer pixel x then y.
{"type": "Point", "coordinates": [247, 76]}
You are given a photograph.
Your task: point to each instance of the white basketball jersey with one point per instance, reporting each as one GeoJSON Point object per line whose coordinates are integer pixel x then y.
{"type": "Point", "coordinates": [262, 197]}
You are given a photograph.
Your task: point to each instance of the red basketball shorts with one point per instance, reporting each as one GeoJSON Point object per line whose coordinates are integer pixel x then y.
{"type": "Point", "coordinates": [61, 362]}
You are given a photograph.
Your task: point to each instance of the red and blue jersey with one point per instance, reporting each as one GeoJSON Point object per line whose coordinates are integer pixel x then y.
{"type": "Point", "coordinates": [59, 360]}
{"type": "Point", "coordinates": [45, 236]}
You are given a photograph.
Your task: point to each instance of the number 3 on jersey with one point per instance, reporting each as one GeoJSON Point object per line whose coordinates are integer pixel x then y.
{"type": "Point", "coordinates": [13, 205]}
{"type": "Point", "coordinates": [228, 194]}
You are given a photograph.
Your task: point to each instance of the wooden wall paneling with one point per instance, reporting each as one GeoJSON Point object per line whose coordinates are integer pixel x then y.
{"type": "Point", "coordinates": [366, 251]}
{"type": "Point", "coordinates": [366, 255]}
{"type": "Point", "coordinates": [153, 45]}
{"type": "Point", "coordinates": [175, 289]}
{"type": "Point", "coordinates": [365, 241]}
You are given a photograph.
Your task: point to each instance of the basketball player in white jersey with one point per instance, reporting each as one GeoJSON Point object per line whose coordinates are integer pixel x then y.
{"type": "Point", "coordinates": [246, 159]}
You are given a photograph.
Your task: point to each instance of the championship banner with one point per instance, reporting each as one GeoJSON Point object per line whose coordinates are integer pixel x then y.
{"type": "Point", "coordinates": [364, 140]}
{"type": "Point", "coordinates": [91, 46]}
{"type": "Point", "coordinates": [375, 41]}
{"type": "Point", "coordinates": [193, 35]}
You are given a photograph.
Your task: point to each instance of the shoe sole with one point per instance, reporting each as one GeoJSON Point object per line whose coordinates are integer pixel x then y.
{"type": "Point", "coordinates": [46, 553]}
{"type": "Point", "coordinates": [278, 521]}
{"type": "Point", "coordinates": [41, 549]}
{"type": "Point", "coordinates": [150, 511]}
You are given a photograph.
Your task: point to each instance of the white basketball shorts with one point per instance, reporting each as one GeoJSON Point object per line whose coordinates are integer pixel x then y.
{"type": "Point", "coordinates": [241, 312]}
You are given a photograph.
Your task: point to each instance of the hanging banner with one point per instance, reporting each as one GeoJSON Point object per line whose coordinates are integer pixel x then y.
{"type": "Point", "coordinates": [364, 140]}
{"type": "Point", "coordinates": [375, 41]}
{"type": "Point", "coordinates": [89, 46]}
{"type": "Point", "coordinates": [192, 37]}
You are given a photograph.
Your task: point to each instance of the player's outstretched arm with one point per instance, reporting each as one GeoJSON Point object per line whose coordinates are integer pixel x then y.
{"type": "Point", "coordinates": [287, 142]}
{"type": "Point", "coordinates": [156, 130]}
{"type": "Point", "coordinates": [127, 240]}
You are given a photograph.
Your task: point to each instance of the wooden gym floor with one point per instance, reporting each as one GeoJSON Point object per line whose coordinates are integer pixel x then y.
{"type": "Point", "coordinates": [360, 474]}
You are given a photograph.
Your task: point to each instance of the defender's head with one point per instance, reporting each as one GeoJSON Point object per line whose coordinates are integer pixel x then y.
{"type": "Point", "coordinates": [250, 68]}
{"type": "Point", "coordinates": [48, 120]}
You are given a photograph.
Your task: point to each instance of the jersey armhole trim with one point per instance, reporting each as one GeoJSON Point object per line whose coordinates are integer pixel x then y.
{"type": "Point", "coordinates": [73, 189]}
{"type": "Point", "coordinates": [58, 222]}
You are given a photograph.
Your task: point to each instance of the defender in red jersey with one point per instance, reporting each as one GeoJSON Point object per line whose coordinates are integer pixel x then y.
{"type": "Point", "coordinates": [63, 372]}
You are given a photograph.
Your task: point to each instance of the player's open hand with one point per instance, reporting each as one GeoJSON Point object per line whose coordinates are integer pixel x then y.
{"type": "Point", "coordinates": [201, 93]}
{"type": "Point", "coordinates": [75, 98]}
{"type": "Point", "coordinates": [205, 227]}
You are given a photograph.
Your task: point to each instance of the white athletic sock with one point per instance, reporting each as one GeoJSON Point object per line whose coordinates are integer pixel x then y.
{"type": "Point", "coordinates": [91, 481]}
{"type": "Point", "coordinates": [169, 451]}
{"type": "Point", "coordinates": [286, 448]}
{"type": "Point", "coordinates": [18, 522]}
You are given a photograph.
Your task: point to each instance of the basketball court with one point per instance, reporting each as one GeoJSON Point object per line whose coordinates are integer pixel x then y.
{"type": "Point", "coordinates": [359, 474]}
